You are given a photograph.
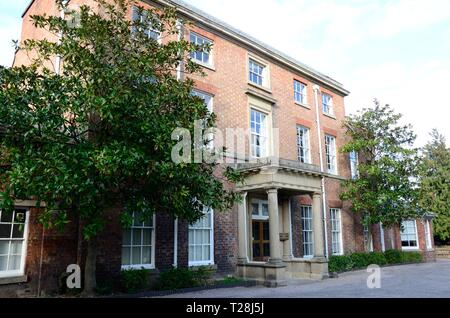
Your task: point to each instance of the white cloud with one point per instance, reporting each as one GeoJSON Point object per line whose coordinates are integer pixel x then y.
{"type": "Point", "coordinates": [410, 15]}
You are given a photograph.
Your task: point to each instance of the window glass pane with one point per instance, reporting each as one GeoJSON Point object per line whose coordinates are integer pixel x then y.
{"type": "Point", "coordinates": [191, 253]}
{"type": "Point", "coordinates": [18, 230]}
{"type": "Point", "coordinates": [16, 247]}
{"type": "Point", "coordinates": [266, 247]}
{"type": "Point", "coordinates": [198, 252]}
{"type": "Point", "coordinates": [19, 216]}
{"type": "Point", "coordinates": [14, 262]}
{"type": "Point", "coordinates": [137, 239]}
{"type": "Point", "coordinates": [266, 231]}
{"type": "Point", "coordinates": [256, 250]}
{"type": "Point", "coordinates": [265, 209]}
{"type": "Point", "coordinates": [206, 237]}
{"type": "Point", "coordinates": [147, 237]}
{"type": "Point", "coordinates": [126, 239]}
{"type": "Point", "coordinates": [126, 255]}
{"type": "Point", "coordinates": [6, 216]}
{"type": "Point", "coordinates": [256, 231]}
{"type": "Point", "coordinates": [5, 230]}
{"type": "Point", "coordinates": [146, 255]}
{"type": "Point", "coordinates": [3, 263]}
{"type": "Point", "coordinates": [4, 247]}
{"type": "Point", "coordinates": [198, 237]}
{"type": "Point", "coordinates": [206, 253]}
{"type": "Point", "coordinates": [136, 256]}
{"type": "Point", "coordinates": [255, 208]}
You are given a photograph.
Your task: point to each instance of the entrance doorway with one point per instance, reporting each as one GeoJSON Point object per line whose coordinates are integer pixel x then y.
{"type": "Point", "coordinates": [261, 240]}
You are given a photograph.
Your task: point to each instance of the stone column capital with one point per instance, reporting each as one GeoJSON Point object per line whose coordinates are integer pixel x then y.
{"type": "Point", "coordinates": [243, 193]}
{"type": "Point", "coordinates": [316, 194]}
{"type": "Point", "coordinates": [272, 190]}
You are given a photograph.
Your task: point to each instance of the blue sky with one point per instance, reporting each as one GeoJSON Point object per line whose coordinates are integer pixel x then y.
{"type": "Point", "coordinates": [395, 50]}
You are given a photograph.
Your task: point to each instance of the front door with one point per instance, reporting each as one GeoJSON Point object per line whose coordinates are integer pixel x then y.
{"type": "Point", "coordinates": [261, 243]}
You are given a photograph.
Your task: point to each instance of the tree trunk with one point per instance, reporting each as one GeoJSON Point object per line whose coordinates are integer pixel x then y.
{"type": "Point", "coordinates": [90, 282]}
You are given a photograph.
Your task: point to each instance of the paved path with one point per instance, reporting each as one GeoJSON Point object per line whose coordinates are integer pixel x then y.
{"type": "Point", "coordinates": [411, 281]}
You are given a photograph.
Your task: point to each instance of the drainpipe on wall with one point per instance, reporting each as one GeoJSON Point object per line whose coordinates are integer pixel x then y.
{"type": "Point", "coordinates": [175, 223]}
{"type": "Point", "coordinates": [316, 89]}
{"type": "Point", "coordinates": [383, 244]}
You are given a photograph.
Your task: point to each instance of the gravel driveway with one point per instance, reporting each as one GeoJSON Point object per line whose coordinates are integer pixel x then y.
{"type": "Point", "coordinates": [410, 281]}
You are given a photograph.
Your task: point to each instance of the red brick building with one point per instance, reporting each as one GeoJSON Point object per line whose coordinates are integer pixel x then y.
{"type": "Point", "coordinates": [291, 219]}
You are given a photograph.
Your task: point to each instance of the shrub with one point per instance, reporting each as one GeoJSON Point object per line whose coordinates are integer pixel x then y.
{"type": "Point", "coordinates": [377, 258]}
{"type": "Point", "coordinates": [393, 256]}
{"type": "Point", "coordinates": [133, 280]}
{"type": "Point", "coordinates": [177, 278]}
{"type": "Point", "coordinates": [360, 260]}
{"type": "Point", "coordinates": [340, 263]}
{"type": "Point", "coordinates": [411, 257]}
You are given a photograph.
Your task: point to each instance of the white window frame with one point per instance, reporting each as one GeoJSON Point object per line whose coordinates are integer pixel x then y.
{"type": "Point", "coordinates": [263, 134]}
{"type": "Point", "coordinates": [194, 227]}
{"type": "Point", "coordinates": [331, 154]}
{"type": "Point", "coordinates": [208, 99]}
{"type": "Point", "coordinates": [149, 31]}
{"type": "Point", "coordinates": [368, 238]}
{"type": "Point", "coordinates": [306, 144]}
{"type": "Point", "coordinates": [201, 40]}
{"type": "Point", "coordinates": [300, 93]}
{"type": "Point", "coordinates": [428, 240]}
{"type": "Point", "coordinates": [307, 220]}
{"type": "Point", "coordinates": [327, 104]}
{"type": "Point", "coordinates": [260, 216]}
{"type": "Point", "coordinates": [21, 270]}
{"type": "Point", "coordinates": [412, 248]}
{"type": "Point", "coordinates": [153, 243]}
{"type": "Point", "coordinates": [354, 162]}
{"type": "Point", "coordinates": [336, 216]}
{"type": "Point", "coordinates": [264, 72]}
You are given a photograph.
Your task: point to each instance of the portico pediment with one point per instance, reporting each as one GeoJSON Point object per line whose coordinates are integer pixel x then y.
{"type": "Point", "coordinates": [282, 174]}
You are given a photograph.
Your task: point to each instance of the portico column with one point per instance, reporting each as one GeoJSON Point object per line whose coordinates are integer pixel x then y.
{"type": "Point", "coordinates": [274, 227]}
{"type": "Point", "coordinates": [318, 226]}
{"type": "Point", "coordinates": [242, 229]}
{"type": "Point", "coordinates": [287, 254]}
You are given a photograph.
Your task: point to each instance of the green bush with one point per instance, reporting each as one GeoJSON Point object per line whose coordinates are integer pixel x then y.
{"type": "Point", "coordinates": [177, 278]}
{"type": "Point", "coordinates": [377, 258]}
{"type": "Point", "coordinates": [339, 263]}
{"type": "Point", "coordinates": [133, 280]}
{"type": "Point", "coordinates": [360, 260]}
{"type": "Point", "coordinates": [393, 256]}
{"type": "Point", "coordinates": [411, 257]}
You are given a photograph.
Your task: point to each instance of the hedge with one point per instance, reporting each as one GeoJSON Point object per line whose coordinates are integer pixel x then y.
{"type": "Point", "coordinates": [342, 263]}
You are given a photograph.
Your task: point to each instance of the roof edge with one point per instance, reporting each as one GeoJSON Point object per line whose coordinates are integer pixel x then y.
{"type": "Point", "coordinates": [27, 8]}
{"type": "Point", "coordinates": [203, 17]}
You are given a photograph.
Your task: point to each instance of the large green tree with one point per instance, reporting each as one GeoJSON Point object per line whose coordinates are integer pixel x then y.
{"type": "Point", "coordinates": [435, 183]}
{"type": "Point", "coordinates": [98, 134]}
{"type": "Point", "coordinates": [386, 187]}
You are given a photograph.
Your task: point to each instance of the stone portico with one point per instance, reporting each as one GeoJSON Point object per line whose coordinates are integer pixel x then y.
{"type": "Point", "coordinates": [276, 181]}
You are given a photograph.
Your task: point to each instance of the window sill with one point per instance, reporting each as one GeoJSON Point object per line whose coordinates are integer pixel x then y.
{"type": "Point", "coordinates": [330, 116]}
{"type": "Point", "coordinates": [410, 249]}
{"type": "Point", "coordinates": [210, 265]}
{"type": "Point", "coordinates": [207, 66]}
{"type": "Point", "coordinates": [261, 87]}
{"type": "Point", "coordinates": [137, 267]}
{"type": "Point", "coordinates": [303, 105]}
{"type": "Point", "coordinates": [13, 279]}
